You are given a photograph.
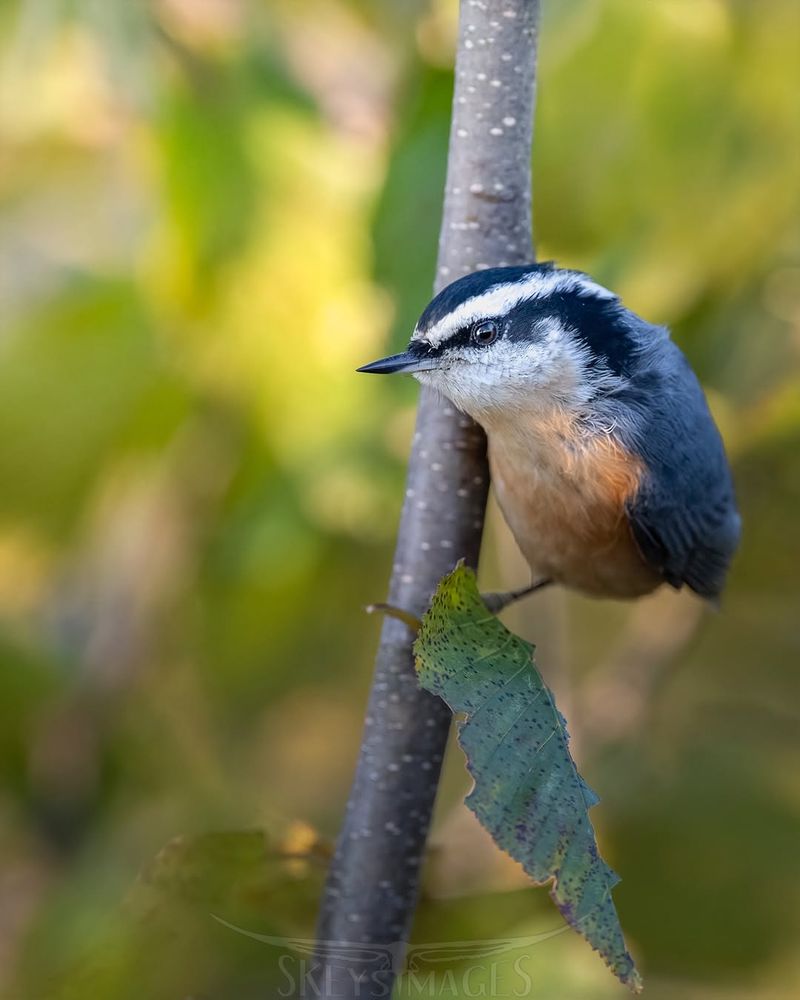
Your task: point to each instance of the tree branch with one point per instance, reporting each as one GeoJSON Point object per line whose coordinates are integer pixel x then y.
{"type": "Point", "coordinates": [373, 880]}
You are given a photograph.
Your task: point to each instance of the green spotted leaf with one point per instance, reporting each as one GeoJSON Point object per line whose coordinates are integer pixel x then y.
{"type": "Point", "coordinates": [527, 793]}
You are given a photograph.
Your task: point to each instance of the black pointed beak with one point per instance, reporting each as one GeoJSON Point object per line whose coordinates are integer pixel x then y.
{"type": "Point", "coordinates": [407, 363]}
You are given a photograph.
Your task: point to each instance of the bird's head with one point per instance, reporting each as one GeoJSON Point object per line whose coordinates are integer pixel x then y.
{"type": "Point", "coordinates": [510, 339]}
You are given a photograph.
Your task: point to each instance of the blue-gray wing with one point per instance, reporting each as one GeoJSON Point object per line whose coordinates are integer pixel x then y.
{"type": "Point", "coordinates": [684, 516]}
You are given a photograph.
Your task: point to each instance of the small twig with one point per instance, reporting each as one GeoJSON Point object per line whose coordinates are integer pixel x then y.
{"type": "Point", "coordinates": [414, 623]}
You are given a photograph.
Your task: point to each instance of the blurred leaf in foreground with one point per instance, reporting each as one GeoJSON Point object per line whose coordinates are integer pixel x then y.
{"type": "Point", "coordinates": [175, 935]}
{"type": "Point", "coordinates": [528, 793]}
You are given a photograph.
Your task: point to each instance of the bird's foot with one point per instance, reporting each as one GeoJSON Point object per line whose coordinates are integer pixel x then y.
{"type": "Point", "coordinates": [497, 602]}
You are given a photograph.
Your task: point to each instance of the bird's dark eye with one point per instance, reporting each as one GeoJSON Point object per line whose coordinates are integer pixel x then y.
{"type": "Point", "coordinates": [484, 333]}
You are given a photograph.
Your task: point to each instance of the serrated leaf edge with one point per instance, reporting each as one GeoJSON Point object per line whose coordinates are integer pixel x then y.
{"type": "Point", "coordinates": [633, 980]}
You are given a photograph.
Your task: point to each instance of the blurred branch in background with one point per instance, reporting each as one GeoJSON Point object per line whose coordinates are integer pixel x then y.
{"type": "Point", "coordinates": [622, 689]}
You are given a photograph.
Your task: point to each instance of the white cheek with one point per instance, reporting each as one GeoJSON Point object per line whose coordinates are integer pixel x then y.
{"type": "Point", "coordinates": [502, 377]}
{"type": "Point", "coordinates": [514, 376]}
{"type": "Point", "coordinates": [463, 386]}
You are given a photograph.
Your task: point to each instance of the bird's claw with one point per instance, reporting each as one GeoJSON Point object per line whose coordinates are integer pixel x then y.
{"type": "Point", "coordinates": [499, 601]}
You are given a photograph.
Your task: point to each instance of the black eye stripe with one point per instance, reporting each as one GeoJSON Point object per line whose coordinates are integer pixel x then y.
{"type": "Point", "coordinates": [465, 337]}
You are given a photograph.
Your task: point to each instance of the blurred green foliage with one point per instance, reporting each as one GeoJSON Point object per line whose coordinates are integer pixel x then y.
{"type": "Point", "coordinates": [212, 212]}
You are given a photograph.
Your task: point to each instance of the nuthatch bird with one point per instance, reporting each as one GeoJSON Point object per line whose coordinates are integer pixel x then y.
{"type": "Point", "coordinates": [605, 459]}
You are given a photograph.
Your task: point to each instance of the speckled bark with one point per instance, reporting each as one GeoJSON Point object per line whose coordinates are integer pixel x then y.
{"type": "Point", "coordinates": [373, 881]}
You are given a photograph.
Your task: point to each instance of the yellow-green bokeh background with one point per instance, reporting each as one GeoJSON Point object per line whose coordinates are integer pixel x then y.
{"type": "Point", "coordinates": [212, 212]}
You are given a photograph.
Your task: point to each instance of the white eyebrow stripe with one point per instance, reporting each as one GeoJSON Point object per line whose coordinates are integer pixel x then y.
{"type": "Point", "coordinates": [501, 299]}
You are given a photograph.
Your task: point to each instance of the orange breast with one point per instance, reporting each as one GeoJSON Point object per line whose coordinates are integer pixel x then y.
{"type": "Point", "coordinates": [564, 495]}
